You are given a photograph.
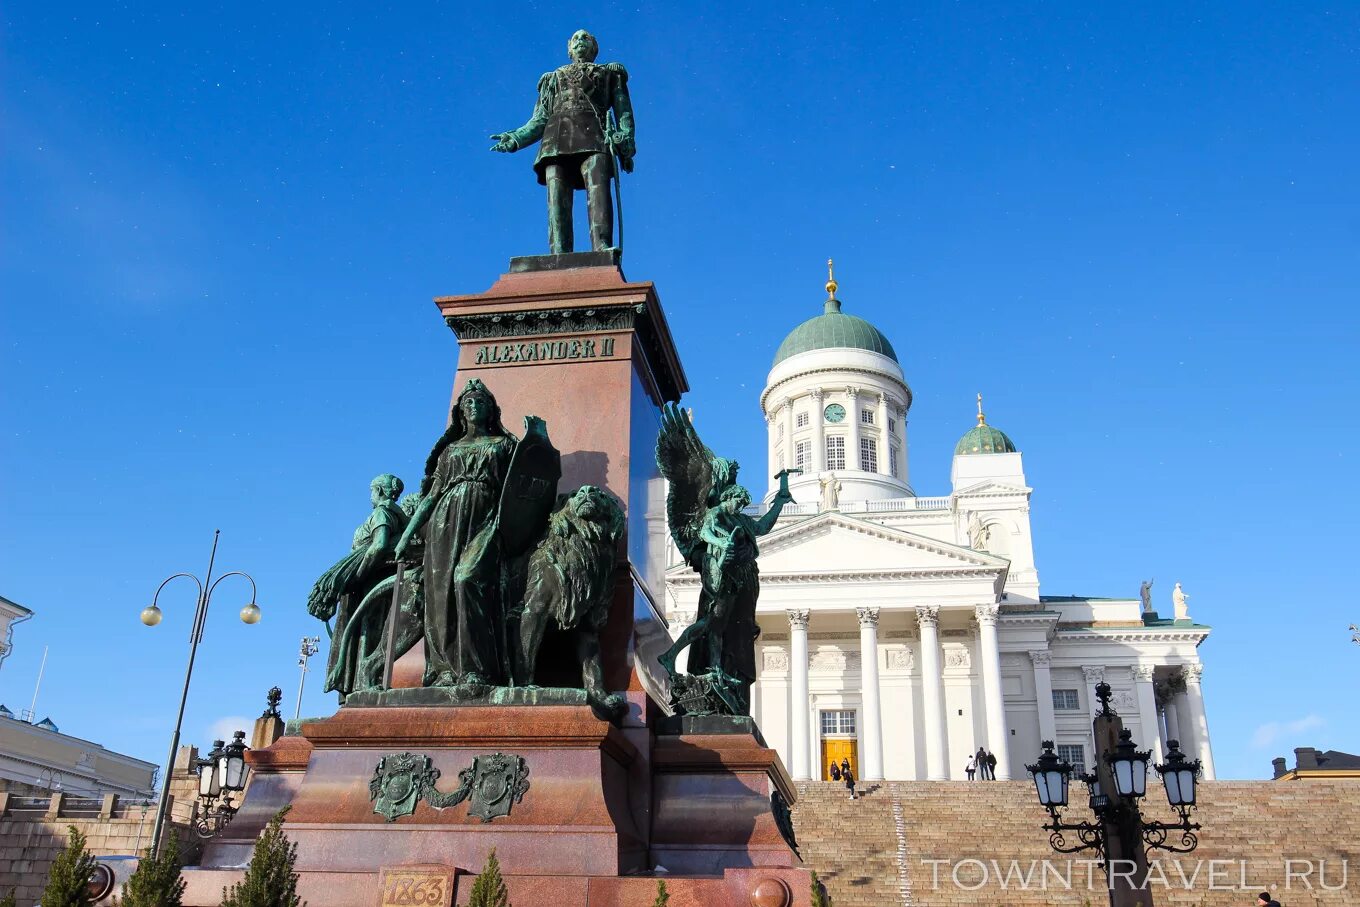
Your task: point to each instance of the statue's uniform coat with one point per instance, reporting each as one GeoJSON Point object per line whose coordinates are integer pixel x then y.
{"type": "Point", "coordinates": [569, 118]}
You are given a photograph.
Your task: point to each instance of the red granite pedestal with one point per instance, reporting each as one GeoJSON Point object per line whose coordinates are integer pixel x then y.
{"type": "Point", "coordinates": [608, 810]}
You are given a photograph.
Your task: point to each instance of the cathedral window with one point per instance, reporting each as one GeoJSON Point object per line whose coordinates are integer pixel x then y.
{"type": "Point", "coordinates": [892, 462]}
{"type": "Point", "coordinates": [779, 462]}
{"type": "Point", "coordinates": [866, 416]}
{"type": "Point", "coordinates": [835, 452]}
{"type": "Point", "coordinates": [868, 454]}
{"type": "Point", "coordinates": [802, 455]}
{"type": "Point", "coordinates": [838, 722]}
{"type": "Point", "coordinates": [800, 420]}
{"type": "Point", "coordinates": [1074, 754]}
{"type": "Point", "coordinates": [892, 426]}
{"type": "Point", "coordinates": [1066, 701]}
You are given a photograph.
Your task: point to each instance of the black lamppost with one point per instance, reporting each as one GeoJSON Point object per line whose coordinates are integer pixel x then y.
{"type": "Point", "coordinates": [222, 773]}
{"type": "Point", "coordinates": [151, 616]}
{"type": "Point", "coordinates": [1113, 791]}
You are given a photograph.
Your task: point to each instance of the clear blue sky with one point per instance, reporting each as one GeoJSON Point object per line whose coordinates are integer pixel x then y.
{"type": "Point", "coordinates": [1135, 230]}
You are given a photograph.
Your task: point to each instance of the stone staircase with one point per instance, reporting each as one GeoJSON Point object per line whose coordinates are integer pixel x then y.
{"type": "Point", "coordinates": [852, 844]}
{"type": "Point", "coordinates": [877, 851]}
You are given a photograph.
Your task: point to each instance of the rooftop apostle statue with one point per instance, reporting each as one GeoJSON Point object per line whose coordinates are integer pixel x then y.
{"type": "Point", "coordinates": [583, 120]}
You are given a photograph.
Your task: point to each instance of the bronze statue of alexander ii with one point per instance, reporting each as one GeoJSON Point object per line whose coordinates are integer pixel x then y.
{"type": "Point", "coordinates": [583, 120]}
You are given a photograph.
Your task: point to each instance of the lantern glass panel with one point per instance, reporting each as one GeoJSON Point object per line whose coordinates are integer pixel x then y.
{"type": "Point", "coordinates": [1123, 777]}
{"type": "Point", "coordinates": [1041, 788]}
{"type": "Point", "coordinates": [207, 780]}
{"type": "Point", "coordinates": [1060, 780]}
{"type": "Point", "coordinates": [1139, 769]}
{"type": "Point", "coordinates": [1185, 781]}
{"type": "Point", "coordinates": [235, 773]}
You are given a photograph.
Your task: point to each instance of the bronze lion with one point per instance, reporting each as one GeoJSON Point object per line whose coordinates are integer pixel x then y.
{"type": "Point", "coordinates": [569, 585]}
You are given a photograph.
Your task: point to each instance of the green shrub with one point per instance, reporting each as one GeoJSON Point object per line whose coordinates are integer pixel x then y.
{"type": "Point", "coordinates": [488, 889]}
{"type": "Point", "coordinates": [68, 881]}
{"type": "Point", "coordinates": [819, 896]}
{"type": "Point", "coordinates": [663, 897]}
{"type": "Point", "coordinates": [270, 880]}
{"type": "Point", "coordinates": [156, 883]}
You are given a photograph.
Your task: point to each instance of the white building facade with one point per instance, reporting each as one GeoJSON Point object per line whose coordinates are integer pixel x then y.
{"type": "Point", "coordinates": [904, 632]}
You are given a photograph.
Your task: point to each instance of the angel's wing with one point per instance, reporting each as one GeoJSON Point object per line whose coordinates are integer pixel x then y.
{"type": "Point", "coordinates": [688, 467]}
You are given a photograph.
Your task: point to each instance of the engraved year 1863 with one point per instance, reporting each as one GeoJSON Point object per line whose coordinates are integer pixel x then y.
{"type": "Point", "coordinates": [416, 886]}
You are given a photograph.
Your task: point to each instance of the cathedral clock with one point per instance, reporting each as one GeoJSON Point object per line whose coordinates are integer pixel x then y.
{"type": "Point", "coordinates": [835, 412]}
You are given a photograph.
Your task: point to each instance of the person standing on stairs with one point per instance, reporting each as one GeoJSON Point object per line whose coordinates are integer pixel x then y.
{"type": "Point", "coordinates": [981, 757]}
{"type": "Point", "coordinates": [971, 768]}
{"type": "Point", "coordinates": [849, 777]}
{"type": "Point", "coordinates": [991, 766]}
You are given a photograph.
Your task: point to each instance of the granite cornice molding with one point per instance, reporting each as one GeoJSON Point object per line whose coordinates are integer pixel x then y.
{"type": "Point", "coordinates": [889, 378]}
{"type": "Point", "coordinates": [538, 322]}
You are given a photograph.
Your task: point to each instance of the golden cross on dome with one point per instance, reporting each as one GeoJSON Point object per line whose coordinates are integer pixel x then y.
{"type": "Point", "coordinates": [830, 279]}
{"type": "Point", "coordinates": [982, 420]}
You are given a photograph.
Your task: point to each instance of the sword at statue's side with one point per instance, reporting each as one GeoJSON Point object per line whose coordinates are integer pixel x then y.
{"type": "Point", "coordinates": [623, 164]}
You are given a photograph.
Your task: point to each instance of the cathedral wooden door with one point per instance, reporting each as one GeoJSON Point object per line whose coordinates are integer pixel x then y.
{"type": "Point", "coordinates": [834, 750]}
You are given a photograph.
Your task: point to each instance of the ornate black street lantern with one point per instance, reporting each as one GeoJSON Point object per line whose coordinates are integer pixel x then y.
{"type": "Point", "coordinates": [209, 787]}
{"type": "Point", "coordinates": [1051, 778]}
{"type": "Point", "coordinates": [1178, 776]}
{"type": "Point", "coordinates": [232, 768]}
{"type": "Point", "coordinates": [1129, 766]}
{"type": "Point", "coordinates": [221, 773]}
{"type": "Point", "coordinates": [1118, 810]}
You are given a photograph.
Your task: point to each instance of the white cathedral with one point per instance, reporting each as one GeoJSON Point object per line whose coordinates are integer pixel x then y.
{"type": "Point", "coordinates": [906, 632]}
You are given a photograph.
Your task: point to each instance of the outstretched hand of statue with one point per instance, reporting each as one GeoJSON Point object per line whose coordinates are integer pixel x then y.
{"type": "Point", "coordinates": [505, 142]}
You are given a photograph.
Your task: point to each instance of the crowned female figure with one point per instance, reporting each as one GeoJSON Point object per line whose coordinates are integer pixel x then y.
{"type": "Point", "coordinates": [457, 517]}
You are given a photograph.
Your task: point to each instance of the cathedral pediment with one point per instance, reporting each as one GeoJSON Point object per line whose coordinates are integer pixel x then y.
{"type": "Point", "coordinates": [992, 489]}
{"type": "Point", "coordinates": [834, 544]}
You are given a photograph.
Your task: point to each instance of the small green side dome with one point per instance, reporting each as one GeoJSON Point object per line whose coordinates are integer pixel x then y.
{"type": "Point", "coordinates": [983, 438]}
{"type": "Point", "coordinates": [833, 329]}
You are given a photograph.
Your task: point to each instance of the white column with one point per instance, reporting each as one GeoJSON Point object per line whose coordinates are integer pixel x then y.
{"type": "Point", "coordinates": [997, 742]}
{"type": "Point", "coordinates": [852, 430]}
{"type": "Point", "coordinates": [1172, 717]}
{"type": "Point", "coordinates": [884, 445]}
{"type": "Point", "coordinates": [1043, 693]}
{"type": "Point", "coordinates": [787, 415]}
{"type": "Point", "coordinates": [818, 423]}
{"type": "Point", "coordinates": [1149, 733]}
{"type": "Point", "coordinates": [773, 432]}
{"type": "Point", "coordinates": [1194, 699]}
{"type": "Point", "coordinates": [903, 463]}
{"type": "Point", "coordinates": [800, 704]}
{"type": "Point", "coordinates": [872, 731]}
{"type": "Point", "coordinates": [1092, 674]}
{"type": "Point", "coordinates": [932, 690]}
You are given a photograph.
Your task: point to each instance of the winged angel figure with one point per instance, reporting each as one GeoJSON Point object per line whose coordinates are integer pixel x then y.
{"type": "Point", "coordinates": [705, 510]}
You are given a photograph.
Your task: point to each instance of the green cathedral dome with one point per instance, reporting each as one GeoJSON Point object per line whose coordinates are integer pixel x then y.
{"type": "Point", "coordinates": [983, 438]}
{"type": "Point", "coordinates": [833, 329]}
